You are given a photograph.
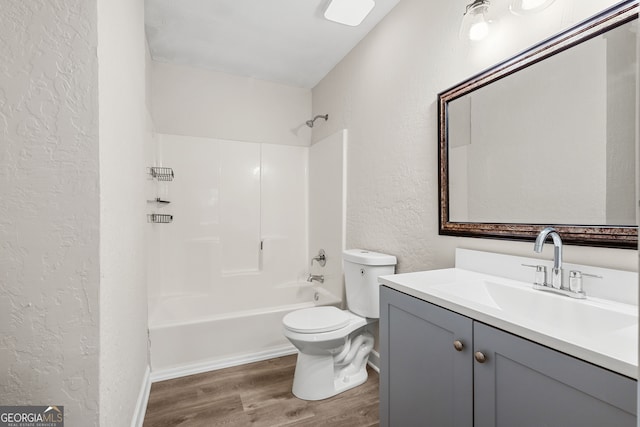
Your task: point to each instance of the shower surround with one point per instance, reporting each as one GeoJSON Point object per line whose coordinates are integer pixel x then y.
{"type": "Point", "coordinates": [236, 257]}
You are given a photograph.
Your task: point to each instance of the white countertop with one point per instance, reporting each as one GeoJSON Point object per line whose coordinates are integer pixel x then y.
{"type": "Point", "coordinates": [605, 334]}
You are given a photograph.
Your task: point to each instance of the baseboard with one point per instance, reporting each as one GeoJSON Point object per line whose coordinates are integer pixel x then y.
{"type": "Point", "coordinates": [212, 365]}
{"type": "Point", "coordinates": [143, 399]}
{"type": "Point", "coordinates": [374, 361]}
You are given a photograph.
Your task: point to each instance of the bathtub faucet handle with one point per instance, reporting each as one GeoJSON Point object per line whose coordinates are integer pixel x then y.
{"type": "Point", "coordinates": [316, 277]}
{"type": "Point", "coordinates": [321, 258]}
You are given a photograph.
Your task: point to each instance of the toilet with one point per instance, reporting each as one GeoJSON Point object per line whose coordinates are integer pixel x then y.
{"type": "Point", "coordinates": [334, 345]}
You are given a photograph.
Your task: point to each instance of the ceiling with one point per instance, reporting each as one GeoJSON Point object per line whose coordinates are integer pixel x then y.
{"type": "Point", "coordinates": [284, 41]}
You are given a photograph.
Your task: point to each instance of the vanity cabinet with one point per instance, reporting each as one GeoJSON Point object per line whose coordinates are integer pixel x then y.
{"type": "Point", "coordinates": [439, 368]}
{"type": "Point", "coordinates": [422, 376]}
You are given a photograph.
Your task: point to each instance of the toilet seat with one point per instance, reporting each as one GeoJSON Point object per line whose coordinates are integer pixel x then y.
{"type": "Point", "coordinates": [316, 320]}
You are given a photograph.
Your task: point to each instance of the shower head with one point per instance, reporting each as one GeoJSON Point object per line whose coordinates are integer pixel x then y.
{"type": "Point", "coordinates": [319, 116]}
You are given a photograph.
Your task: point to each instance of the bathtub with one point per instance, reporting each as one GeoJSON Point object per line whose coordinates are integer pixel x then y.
{"type": "Point", "coordinates": [197, 333]}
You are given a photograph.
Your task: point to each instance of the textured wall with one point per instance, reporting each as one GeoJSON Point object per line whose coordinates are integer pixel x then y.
{"type": "Point", "coordinates": [123, 181]}
{"type": "Point", "coordinates": [49, 214]}
{"type": "Point", "coordinates": [384, 92]}
{"type": "Point", "coordinates": [195, 102]}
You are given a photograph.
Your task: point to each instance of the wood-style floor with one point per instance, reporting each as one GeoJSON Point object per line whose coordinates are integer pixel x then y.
{"type": "Point", "coordinates": [257, 394]}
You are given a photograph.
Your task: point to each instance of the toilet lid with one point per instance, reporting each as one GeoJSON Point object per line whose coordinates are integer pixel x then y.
{"type": "Point", "coordinates": [316, 319]}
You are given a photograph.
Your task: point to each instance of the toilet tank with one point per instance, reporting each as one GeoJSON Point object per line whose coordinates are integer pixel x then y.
{"type": "Point", "coordinates": [361, 271]}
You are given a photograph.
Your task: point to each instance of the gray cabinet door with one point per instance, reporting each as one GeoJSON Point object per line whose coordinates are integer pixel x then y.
{"type": "Point", "coordinates": [424, 380]}
{"type": "Point", "coordinates": [522, 384]}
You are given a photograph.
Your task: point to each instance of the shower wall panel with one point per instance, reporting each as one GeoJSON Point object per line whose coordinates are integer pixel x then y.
{"type": "Point", "coordinates": [327, 207]}
{"type": "Point", "coordinates": [239, 204]}
{"type": "Point", "coordinates": [284, 213]}
{"type": "Point", "coordinates": [240, 217]}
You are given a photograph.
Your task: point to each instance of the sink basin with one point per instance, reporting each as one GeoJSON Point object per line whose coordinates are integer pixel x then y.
{"type": "Point", "coordinates": [600, 331]}
{"type": "Point", "coordinates": [543, 308]}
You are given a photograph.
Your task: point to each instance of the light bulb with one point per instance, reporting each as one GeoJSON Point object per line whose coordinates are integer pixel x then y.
{"type": "Point", "coordinates": [475, 25]}
{"type": "Point", "coordinates": [526, 7]}
{"type": "Point", "coordinates": [478, 30]}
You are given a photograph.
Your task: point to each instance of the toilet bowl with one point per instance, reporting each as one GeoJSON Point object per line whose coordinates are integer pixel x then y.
{"type": "Point", "coordinates": [333, 350]}
{"type": "Point", "coordinates": [334, 345]}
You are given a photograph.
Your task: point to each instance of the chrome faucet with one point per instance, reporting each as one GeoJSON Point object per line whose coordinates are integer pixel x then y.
{"type": "Point", "coordinates": [321, 258]}
{"type": "Point", "coordinates": [316, 277]}
{"type": "Point", "coordinates": [556, 273]}
{"type": "Point", "coordinates": [574, 289]}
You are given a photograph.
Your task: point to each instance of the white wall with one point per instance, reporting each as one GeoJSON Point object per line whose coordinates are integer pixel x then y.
{"type": "Point", "coordinates": [197, 102]}
{"type": "Point", "coordinates": [49, 214]}
{"type": "Point", "coordinates": [123, 133]}
{"type": "Point", "coordinates": [385, 93]}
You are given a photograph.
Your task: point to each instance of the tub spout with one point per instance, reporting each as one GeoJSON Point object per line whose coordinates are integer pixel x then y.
{"type": "Point", "coordinates": [316, 277]}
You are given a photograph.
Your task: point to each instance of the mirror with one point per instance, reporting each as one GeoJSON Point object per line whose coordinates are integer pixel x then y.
{"type": "Point", "coordinates": [547, 138]}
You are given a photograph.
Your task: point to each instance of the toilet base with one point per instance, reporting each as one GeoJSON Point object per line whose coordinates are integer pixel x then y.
{"type": "Point", "coordinates": [319, 377]}
{"type": "Point", "coordinates": [315, 379]}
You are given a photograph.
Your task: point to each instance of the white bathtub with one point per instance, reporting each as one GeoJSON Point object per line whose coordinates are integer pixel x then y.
{"type": "Point", "coordinates": [198, 333]}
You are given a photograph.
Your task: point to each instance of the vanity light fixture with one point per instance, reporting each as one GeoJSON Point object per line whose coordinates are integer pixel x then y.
{"type": "Point", "coordinates": [528, 7]}
{"type": "Point", "coordinates": [349, 12]}
{"type": "Point", "coordinates": [475, 24]}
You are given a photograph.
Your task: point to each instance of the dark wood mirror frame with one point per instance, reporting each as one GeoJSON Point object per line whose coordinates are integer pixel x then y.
{"type": "Point", "coordinates": [592, 235]}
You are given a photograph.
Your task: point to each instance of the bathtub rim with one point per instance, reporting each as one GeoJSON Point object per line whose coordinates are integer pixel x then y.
{"type": "Point", "coordinates": [329, 299]}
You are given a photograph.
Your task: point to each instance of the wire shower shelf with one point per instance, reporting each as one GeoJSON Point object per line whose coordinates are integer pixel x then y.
{"type": "Point", "coordinates": [159, 218]}
{"type": "Point", "coordinates": [161, 173]}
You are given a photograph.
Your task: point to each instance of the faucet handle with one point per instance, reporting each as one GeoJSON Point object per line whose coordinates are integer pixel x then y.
{"type": "Point", "coordinates": [541, 274]}
{"type": "Point", "coordinates": [321, 258]}
{"type": "Point", "coordinates": [575, 280]}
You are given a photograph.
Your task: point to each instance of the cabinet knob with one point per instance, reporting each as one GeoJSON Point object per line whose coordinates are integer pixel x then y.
{"type": "Point", "coordinates": [457, 344]}
{"type": "Point", "coordinates": [480, 357]}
